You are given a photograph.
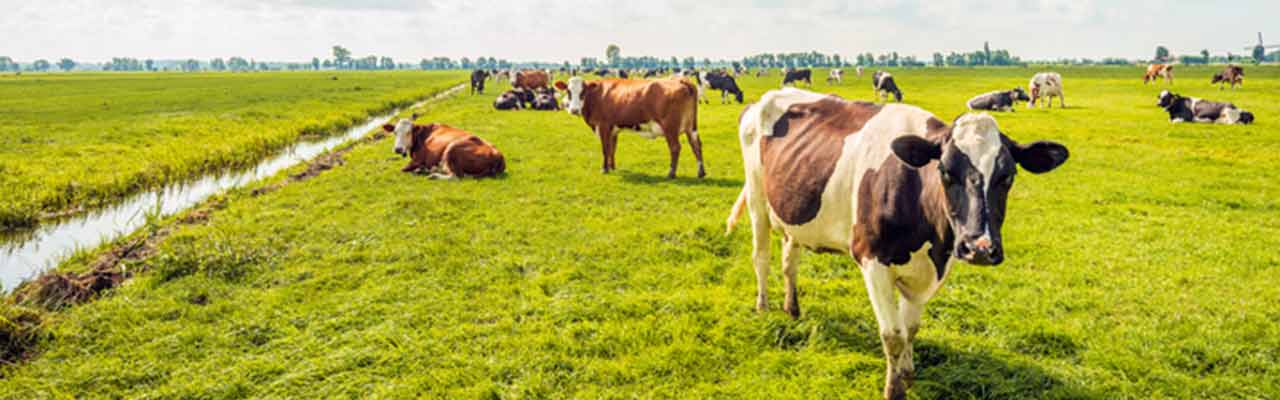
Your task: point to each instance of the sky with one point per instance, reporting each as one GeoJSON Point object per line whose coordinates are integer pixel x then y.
{"type": "Point", "coordinates": [541, 30]}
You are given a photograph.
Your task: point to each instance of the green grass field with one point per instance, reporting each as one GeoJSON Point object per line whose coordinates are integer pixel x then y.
{"type": "Point", "coordinates": [71, 140]}
{"type": "Point", "coordinates": [1144, 268]}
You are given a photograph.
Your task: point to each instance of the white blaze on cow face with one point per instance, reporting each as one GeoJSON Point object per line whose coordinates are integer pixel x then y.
{"type": "Point", "coordinates": [404, 136]}
{"type": "Point", "coordinates": [978, 137]}
{"type": "Point", "coordinates": [975, 215]}
{"type": "Point", "coordinates": [576, 86]}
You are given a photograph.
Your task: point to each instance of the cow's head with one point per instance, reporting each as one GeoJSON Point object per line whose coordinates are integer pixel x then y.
{"type": "Point", "coordinates": [1166, 99]}
{"type": "Point", "coordinates": [1019, 95]}
{"type": "Point", "coordinates": [403, 131]}
{"type": "Point", "coordinates": [574, 91]}
{"type": "Point", "coordinates": [976, 166]}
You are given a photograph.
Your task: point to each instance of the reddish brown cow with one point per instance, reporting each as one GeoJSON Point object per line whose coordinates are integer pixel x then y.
{"type": "Point", "coordinates": [666, 107]}
{"type": "Point", "coordinates": [457, 153]}
{"type": "Point", "coordinates": [1157, 71]}
{"type": "Point", "coordinates": [531, 79]}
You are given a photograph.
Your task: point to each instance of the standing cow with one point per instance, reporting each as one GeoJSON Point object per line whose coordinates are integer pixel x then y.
{"type": "Point", "coordinates": [477, 81]}
{"type": "Point", "coordinates": [1233, 75]}
{"type": "Point", "coordinates": [884, 86]}
{"type": "Point", "coordinates": [444, 151]}
{"type": "Point", "coordinates": [722, 81]}
{"type": "Point", "coordinates": [858, 70]}
{"type": "Point", "coordinates": [656, 108]}
{"type": "Point", "coordinates": [795, 76]}
{"type": "Point", "coordinates": [531, 79]}
{"type": "Point", "coordinates": [836, 77]}
{"type": "Point", "coordinates": [1157, 71]}
{"type": "Point", "coordinates": [898, 190]}
{"type": "Point", "coordinates": [1046, 85]}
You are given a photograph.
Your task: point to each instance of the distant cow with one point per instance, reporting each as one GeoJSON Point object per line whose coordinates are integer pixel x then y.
{"type": "Point", "coordinates": [884, 85]}
{"type": "Point", "coordinates": [1191, 109]}
{"type": "Point", "coordinates": [444, 151]}
{"type": "Point", "coordinates": [796, 75]}
{"type": "Point", "coordinates": [545, 100]}
{"type": "Point", "coordinates": [1046, 85]}
{"type": "Point", "coordinates": [531, 79]}
{"type": "Point", "coordinates": [508, 101]}
{"type": "Point", "coordinates": [836, 76]}
{"type": "Point", "coordinates": [719, 80]}
{"type": "Point", "coordinates": [899, 191]}
{"type": "Point", "coordinates": [998, 101]}
{"type": "Point", "coordinates": [665, 108]}
{"type": "Point", "coordinates": [1157, 71]}
{"type": "Point", "coordinates": [477, 81]}
{"type": "Point", "coordinates": [1233, 75]}
{"type": "Point", "coordinates": [859, 71]}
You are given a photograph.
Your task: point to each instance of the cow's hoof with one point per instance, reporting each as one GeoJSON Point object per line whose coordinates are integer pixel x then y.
{"type": "Point", "coordinates": [702, 174]}
{"type": "Point", "coordinates": [671, 175]}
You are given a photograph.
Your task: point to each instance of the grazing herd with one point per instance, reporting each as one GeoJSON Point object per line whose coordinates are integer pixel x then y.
{"type": "Point", "coordinates": [902, 192]}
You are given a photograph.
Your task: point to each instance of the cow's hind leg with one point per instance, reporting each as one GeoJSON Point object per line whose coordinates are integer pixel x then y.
{"type": "Point", "coordinates": [695, 143]}
{"type": "Point", "coordinates": [790, 263]}
{"type": "Point", "coordinates": [673, 144]}
{"type": "Point", "coordinates": [605, 134]}
{"type": "Point", "coordinates": [760, 251]}
{"type": "Point", "coordinates": [893, 333]}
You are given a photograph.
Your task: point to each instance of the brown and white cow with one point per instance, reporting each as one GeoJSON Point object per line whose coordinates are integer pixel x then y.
{"type": "Point", "coordinates": [444, 151]}
{"type": "Point", "coordinates": [1047, 85]}
{"type": "Point", "coordinates": [651, 108]}
{"type": "Point", "coordinates": [531, 80]}
{"type": "Point", "coordinates": [1233, 75]}
{"type": "Point", "coordinates": [900, 191]}
{"type": "Point", "coordinates": [1157, 71]}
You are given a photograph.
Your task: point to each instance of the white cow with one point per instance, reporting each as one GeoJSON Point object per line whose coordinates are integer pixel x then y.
{"type": "Point", "coordinates": [836, 76]}
{"type": "Point", "coordinates": [1047, 85]}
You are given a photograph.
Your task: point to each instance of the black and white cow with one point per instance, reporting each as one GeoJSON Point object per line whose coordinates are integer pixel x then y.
{"type": "Point", "coordinates": [900, 191]}
{"type": "Point", "coordinates": [795, 76]}
{"type": "Point", "coordinates": [508, 101]}
{"type": "Point", "coordinates": [719, 80]}
{"type": "Point", "coordinates": [545, 100]}
{"type": "Point", "coordinates": [477, 81]}
{"type": "Point", "coordinates": [1191, 109]}
{"type": "Point", "coordinates": [884, 85]}
{"type": "Point", "coordinates": [836, 76]}
{"type": "Point", "coordinates": [998, 100]}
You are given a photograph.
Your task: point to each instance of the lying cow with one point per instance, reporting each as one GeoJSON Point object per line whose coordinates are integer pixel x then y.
{"type": "Point", "coordinates": [515, 99]}
{"type": "Point", "coordinates": [1233, 75]}
{"type": "Point", "coordinates": [884, 85]}
{"type": "Point", "coordinates": [719, 80]}
{"type": "Point", "coordinates": [795, 76]}
{"type": "Point", "coordinates": [1191, 109]}
{"type": "Point", "coordinates": [836, 77]}
{"type": "Point", "coordinates": [545, 100]}
{"type": "Point", "coordinates": [665, 108]}
{"type": "Point", "coordinates": [1046, 85]}
{"type": "Point", "coordinates": [477, 81]}
{"type": "Point", "coordinates": [892, 186]}
{"type": "Point", "coordinates": [998, 101]}
{"type": "Point", "coordinates": [1157, 71]}
{"type": "Point", "coordinates": [444, 151]}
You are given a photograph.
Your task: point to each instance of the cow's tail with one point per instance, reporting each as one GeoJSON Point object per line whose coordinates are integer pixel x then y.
{"type": "Point", "coordinates": [738, 208]}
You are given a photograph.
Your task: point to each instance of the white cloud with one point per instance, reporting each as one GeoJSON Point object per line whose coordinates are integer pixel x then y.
{"type": "Point", "coordinates": [567, 30]}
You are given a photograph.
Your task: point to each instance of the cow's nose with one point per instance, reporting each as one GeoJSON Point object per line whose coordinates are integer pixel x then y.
{"type": "Point", "coordinates": [979, 252]}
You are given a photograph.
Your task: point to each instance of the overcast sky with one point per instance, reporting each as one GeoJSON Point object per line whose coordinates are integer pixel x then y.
{"type": "Point", "coordinates": [526, 30]}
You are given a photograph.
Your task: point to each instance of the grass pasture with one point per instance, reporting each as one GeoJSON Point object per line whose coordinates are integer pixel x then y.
{"type": "Point", "coordinates": [71, 140]}
{"type": "Point", "coordinates": [1144, 268]}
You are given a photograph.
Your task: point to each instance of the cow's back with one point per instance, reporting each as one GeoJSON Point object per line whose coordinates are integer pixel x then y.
{"type": "Point", "coordinates": [625, 102]}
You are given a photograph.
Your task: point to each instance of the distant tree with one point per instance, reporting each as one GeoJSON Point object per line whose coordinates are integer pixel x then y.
{"type": "Point", "coordinates": [315, 63]}
{"type": "Point", "coordinates": [237, 64]}
{"type": "Point", "coordinates": [7, 64]}
{"type": "Point", "coordinates": [66, 64]}
{"type": "Point", "coordinates": [1162, 54]}
{"type": "Point", "coordinates": [262, 66]}
{"type": "Point", "coordinates": [41, 65]}
{"type": "Point", "coordinates": [613, 53]}
{"type": "Point", "coordinates": [1205, 54]}
{"type": "Point", "coordinates": [938, 60]}
{"type": "Point", "coordinates": [341, 56]}
{"type": "Point", "coordinates": [217, 64]}
{"type": "Point", "coordinates": [191, 65]}
{"type": "Point", "coordinates": [327, 64]}
{"type": "Point", "coordinates": [986, 53]}
{"type": "Point", "coordinates": [150, 65]}
{"type": "Point", "coordinates": [388, 63]}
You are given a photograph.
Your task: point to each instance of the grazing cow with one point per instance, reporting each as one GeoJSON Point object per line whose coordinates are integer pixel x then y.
{"type": "Point", "coordinates": [719, 80]}
{"type": "Point", "coordinates": [510, 100]}
{"type": "Point", "coordinates": [500, 76]}
{"type": "Point", "coordinates": [859, 71]}
{"type": "Point", "coordinates": [1233, 74]}
{"type": "Point", "coordinates": [652, 73]}
{"type": "Point", "coordinates": [998, 100]}
{"type": "Point", "coordinates": [884, 85]}
{"type": "Point", "coordinates": [531, 79]}
{"type": "Point", "coordinates": [650, 108]}
{"type": "Point", "coordinates": [1046, 85]}
{"type": "Point", "coordinates": [477, 81]}
{"type": "Point", "coordinates": [545, 100]}
{"type": "Point", "coordinates": [892, 186]}
{"type": "Point", "coordinates": [762, 72]}
{"type": "Point", "coordinates": [444, 151]}
{"type": "Point", "coordinates": [1191, 109]}
{"type": "Point", "coordinates": [795, 76]}
{"type": "Point", "coordinates": [1157, 71]}
{"type": "Point", "coordinates": [835, 77]}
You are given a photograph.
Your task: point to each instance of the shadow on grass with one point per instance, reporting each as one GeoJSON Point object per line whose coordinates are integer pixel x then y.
{"type": "Point", "coordinates": [947, 373]}
{"type": "Point", "coordinates": [646, 179]}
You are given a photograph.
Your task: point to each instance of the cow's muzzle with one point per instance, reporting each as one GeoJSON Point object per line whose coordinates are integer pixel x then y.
{"type": "Point", "coordinates": [981, 251]}
{"type": "Point", "coordinates": [401, 152]}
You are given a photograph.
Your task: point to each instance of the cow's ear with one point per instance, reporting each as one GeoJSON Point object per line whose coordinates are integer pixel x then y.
{"type": "Point", "coordinates": [1037, 157]}
{"type": "Point", "coordinates": [561, 85]}
{"type": "Point", "coordinates": [388, 127]}
{"type": "Point", "coordinates": [916, 151]}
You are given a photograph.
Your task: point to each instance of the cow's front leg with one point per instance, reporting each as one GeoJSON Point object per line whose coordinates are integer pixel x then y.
{"type": "Point", "coordinates": [893, 333]}
{"type": "Point", "coordinates": [673, 144]}
{"type": "Point", "coordinates": [604, 134]}
{"type": "Point", "coordinates": [790, 262]}
{"type": "Point", "coordinates": [760, 251]}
